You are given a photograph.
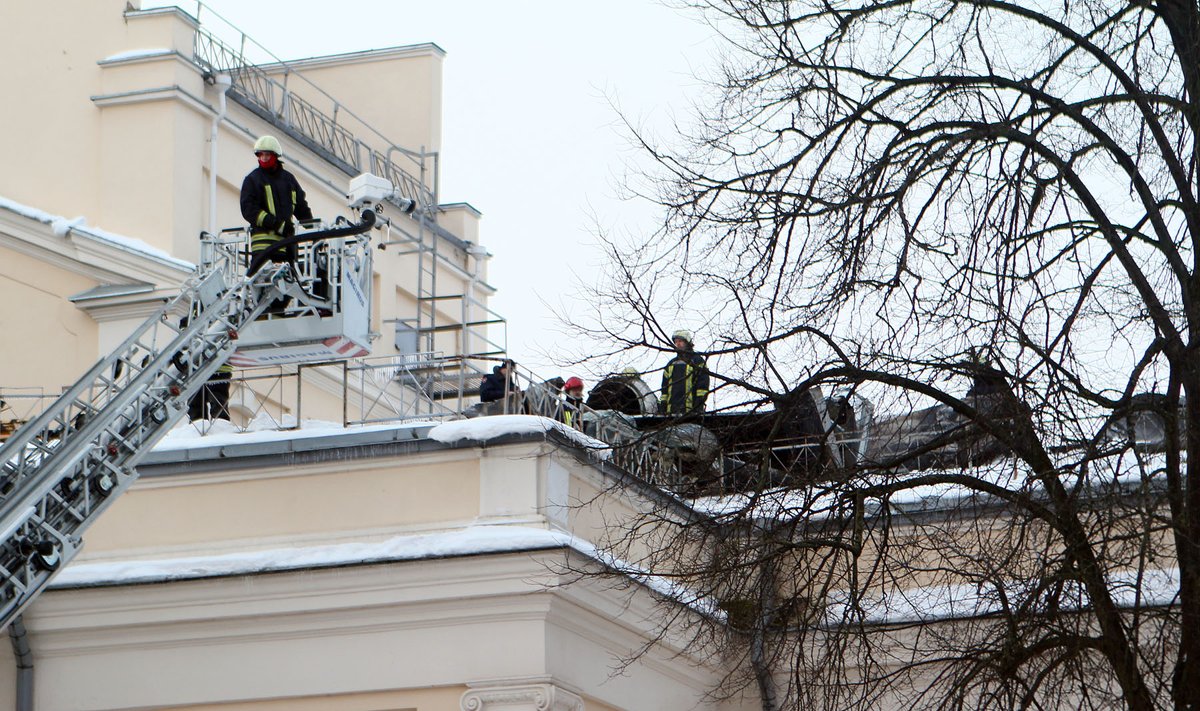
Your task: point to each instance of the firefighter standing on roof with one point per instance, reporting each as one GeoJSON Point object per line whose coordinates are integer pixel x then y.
{"type": "Point", "coordinates": [271, 197]}
{"type": "Point", "coordinates": [573, 402]}
{"type": "Point", "coordinates": [685, 379]}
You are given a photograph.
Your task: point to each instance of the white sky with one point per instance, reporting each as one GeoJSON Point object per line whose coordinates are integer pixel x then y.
{"type": "Point", "coordinates": [530, 136]}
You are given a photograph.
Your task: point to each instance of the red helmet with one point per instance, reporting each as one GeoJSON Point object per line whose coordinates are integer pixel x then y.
{"type": "Point", "coordinates": [572, 383]}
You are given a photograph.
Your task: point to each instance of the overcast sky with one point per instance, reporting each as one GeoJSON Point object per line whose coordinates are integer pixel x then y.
{"type": "Point", "coordinates": [530, 134]}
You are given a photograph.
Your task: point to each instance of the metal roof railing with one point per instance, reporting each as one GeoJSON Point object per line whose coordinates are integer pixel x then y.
{"type": "Point", "coordinates": [337, 132]}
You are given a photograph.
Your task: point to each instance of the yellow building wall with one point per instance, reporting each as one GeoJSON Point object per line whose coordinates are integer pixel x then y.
{"type": "Point", "coordinates": [317, 504]}
{"type": "Point", "coordinates": [397, 91]}
{"type": "Point", "coordinates": [46, 338]}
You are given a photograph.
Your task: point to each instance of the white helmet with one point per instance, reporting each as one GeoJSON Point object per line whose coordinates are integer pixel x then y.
{"type": "Point", "coordinates": [684, 334]}
{"type": "Point", "coordinates": [268, 143]}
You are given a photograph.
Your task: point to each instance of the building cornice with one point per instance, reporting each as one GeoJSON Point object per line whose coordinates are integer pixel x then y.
{"type": "Point", "coordinates": [140, 302]}
{"type": "Point", "coordinates": [76, 249]}
{"type": "Point", "coordinates": [465, 206]}
{"type": "Point", "coordinates": [159, 11]}
{"type": "Point", "coordinates": [173, 92]}
{"type": "Point", "coordinates": [144, 56]}
{"type": "Point", "coordinates": [425, 49]}
{"type": "Point", "coordinates": [462, 614]}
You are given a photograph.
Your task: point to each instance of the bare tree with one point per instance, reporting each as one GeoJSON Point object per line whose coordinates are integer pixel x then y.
{"type": "Point", "coordinates": [917, 200]}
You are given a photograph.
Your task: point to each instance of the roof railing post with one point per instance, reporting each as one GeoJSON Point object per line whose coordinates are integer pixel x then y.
{"type": "Point", "coordinates": [285, 100]}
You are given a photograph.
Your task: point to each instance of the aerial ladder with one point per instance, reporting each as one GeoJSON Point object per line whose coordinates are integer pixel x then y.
{"type": "Point", "coordinates": [61, 470]}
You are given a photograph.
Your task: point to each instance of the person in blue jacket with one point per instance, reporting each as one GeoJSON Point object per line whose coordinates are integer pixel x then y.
{"type": "Point", "coordinates": [498, 382]}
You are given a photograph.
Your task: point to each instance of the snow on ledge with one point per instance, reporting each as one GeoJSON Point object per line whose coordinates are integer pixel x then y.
{"type": "Point", "coordinates": [482, 429]}
{"type": "Point", "coordinates": [220, 433]}
{"type": "Point", "coordinates": [137, 54]}
{"type": "Point", "coordinates": [62, 226]}
{"type": "Point", "coordinates": [937, 603]}
{"type": "Point", "coordinates": [473, 540]}
{"type": "Point", "coordinates": [468, 541]}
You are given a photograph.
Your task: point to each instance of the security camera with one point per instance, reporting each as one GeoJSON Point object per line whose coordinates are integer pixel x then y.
{"type": "Point", "coordinates": [367, 190]}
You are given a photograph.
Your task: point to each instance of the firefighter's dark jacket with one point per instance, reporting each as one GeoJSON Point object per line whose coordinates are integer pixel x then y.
{"type": "Point", "coordinates": [684, 384]}
{"type": "Point", "coordinates": [270, 199]}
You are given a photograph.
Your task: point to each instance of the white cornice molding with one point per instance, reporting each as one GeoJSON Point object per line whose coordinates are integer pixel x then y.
{"type": "Point", "coordinates": [157, 93]}
{"type": "Point", "coordinates": [400, 593]}
{"type": "Point", "coordinates": [426, 49]}
{"type": "Point", "coordinates": [159, 11]}
{"type": "Point", "coordinates": [123, 308]}
{"type": "Point", "coordinates": [80, 252]}
{"type": "Point", "coordinates": [144, 57]}
{"type": "Point", "coordinates": [524, 697]}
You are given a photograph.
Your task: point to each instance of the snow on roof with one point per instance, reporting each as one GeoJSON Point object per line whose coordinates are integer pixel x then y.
{"type": "Point", "coordinates": [482, 429]}
{"type": "Point", "coordinates": [911, 492]}
{"type": "Point", "coordinates": [61, 227]}
{"type": "Point", "coordinates": [217, 433]}
{"type": "Point", "coordinates": [933, 603]}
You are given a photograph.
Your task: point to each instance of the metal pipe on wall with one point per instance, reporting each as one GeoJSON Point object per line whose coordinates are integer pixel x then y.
{"type": "Point", "coordinates": [222, 82]}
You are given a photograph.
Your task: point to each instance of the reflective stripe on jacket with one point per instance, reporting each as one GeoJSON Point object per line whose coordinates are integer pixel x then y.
{"type": "Point", "coordinates": [260, 201]}
{"type": "Point", "coordinates": [684, 384]}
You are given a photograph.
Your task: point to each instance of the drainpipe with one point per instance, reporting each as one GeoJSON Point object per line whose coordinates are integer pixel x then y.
{"type": "Point", "coordinates": [222, 82]}
{"type": "Point", "coordinates": [24, 657]}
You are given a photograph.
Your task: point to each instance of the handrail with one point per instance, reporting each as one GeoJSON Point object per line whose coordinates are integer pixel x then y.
{"type": "Point", "coordinates": [255, 86]}
{"type": "Point", "coordinates": [279, 246]}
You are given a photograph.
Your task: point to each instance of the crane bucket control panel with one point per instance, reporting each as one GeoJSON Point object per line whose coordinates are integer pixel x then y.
{"type": "Point", "coordinates": [324, 312]}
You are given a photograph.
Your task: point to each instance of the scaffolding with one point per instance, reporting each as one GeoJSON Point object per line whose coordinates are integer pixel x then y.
{"type": "Point", "coordinates": [338, 135]}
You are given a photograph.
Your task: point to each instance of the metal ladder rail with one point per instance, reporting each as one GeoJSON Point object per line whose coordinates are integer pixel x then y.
{"type": "Point", "coordinates": [427, 257]}
{"type": "Point", "coordinates": [43, 438]}
{"type": "Point", "coordinates": [63, 493]}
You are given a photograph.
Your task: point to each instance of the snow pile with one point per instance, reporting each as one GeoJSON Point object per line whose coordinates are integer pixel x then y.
{"type": "Point", "coordinates": [60, 226]}
{"type": "Point", "coordinates": [483, 429]}
{"type": "Point", "coordinates": [263, 428]}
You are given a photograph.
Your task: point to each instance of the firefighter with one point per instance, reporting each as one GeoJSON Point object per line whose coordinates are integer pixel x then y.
{"type": "Point", "coordinates": [573, 402]}
{"type": "Point", "coordinates": [211, 402]}
{"type": "Point", "coordinates": [271, 197]}
{"type": "Point", "coordinates": [685, 379]}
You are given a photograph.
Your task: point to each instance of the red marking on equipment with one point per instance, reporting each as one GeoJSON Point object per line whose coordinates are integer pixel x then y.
{"type": "Point", "coordinates": [233, 334]}
{"type": "Point", "coordinates": [112, 448]}
{"type": "Point", "coordinates": [174, 390]}
{"type": "Point", "coordinates": [345, 347]}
